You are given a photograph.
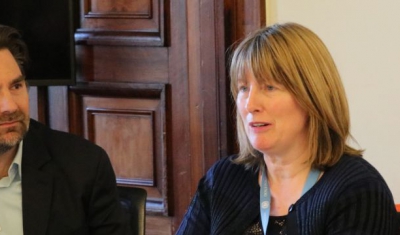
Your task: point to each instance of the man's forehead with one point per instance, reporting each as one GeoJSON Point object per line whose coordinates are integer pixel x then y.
{"type": "Point", "coordinates": [9, 69]}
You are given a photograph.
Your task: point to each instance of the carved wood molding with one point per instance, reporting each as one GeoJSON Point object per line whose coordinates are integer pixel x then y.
{"type": "Point", "coordinates": [129, 121]}
{"type": "Point", "coordinates": [93, 113]}
{"type": "Point", "coordinates": [122, 22]}
{"type": "Point", "coordinates": [136, 90]}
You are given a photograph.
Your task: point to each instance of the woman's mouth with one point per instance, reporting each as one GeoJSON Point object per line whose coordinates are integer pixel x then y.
{"type": "Point", "coordinates": [259, 124]}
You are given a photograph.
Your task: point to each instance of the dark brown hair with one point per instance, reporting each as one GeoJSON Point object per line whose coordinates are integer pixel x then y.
{"type": "Point", "coordinates": [11, 39]}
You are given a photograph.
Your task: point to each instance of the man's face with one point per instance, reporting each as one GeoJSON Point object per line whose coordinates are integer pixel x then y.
{"type": "Point", "coordinates": [14, 103]}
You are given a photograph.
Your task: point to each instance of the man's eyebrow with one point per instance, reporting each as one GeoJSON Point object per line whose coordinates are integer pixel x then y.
{"type": "Point", "coordinates": [20, 78]}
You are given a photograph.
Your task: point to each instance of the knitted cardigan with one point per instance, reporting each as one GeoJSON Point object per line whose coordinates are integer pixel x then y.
{"type": "Point", "coordinates": [350, 198]}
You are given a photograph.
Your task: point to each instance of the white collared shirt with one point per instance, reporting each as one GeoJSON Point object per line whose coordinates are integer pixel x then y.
{"type": "Point", "coordinates": [11, 198]}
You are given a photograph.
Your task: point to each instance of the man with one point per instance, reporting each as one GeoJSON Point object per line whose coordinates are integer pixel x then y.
{"type": "Point", "coordinates": [50, 182]}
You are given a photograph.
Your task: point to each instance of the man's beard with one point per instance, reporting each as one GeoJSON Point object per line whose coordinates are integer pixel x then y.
{"type": "Point", "coordinates": [14, 134]}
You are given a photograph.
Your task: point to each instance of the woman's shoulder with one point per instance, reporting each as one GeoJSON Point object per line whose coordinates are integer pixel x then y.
{"type": "Point", "coordinates": [226, 171]}
{"type": "Point", "coordinates": [355, 167]}
{"type": "Point", "coordinates": [350, 188]}
{"type": "Point", "coordinates": [354, 172]}
{"type": "Point", "coordinates": [227, 165]}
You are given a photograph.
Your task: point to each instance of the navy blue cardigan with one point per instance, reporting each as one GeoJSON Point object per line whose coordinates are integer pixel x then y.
{"type": "Point", "coordinates": [350, 198]}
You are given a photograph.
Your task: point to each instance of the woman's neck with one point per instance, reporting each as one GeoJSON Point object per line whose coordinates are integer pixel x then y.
{"type": "Point", "coordinates": [280, 168]}
{"type": "Point", "coordinates": [286, 178]}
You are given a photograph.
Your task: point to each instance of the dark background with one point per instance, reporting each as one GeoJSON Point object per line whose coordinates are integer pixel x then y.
{"type": "Point", "coordinates": [47, 28]}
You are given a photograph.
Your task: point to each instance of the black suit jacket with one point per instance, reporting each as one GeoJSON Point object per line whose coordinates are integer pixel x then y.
{"type": "Point", "coordinates": [68, 186]}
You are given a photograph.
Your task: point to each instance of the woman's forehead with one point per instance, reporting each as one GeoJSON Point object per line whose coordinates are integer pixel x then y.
{"type": "Point", "coordinates": [260, 76]}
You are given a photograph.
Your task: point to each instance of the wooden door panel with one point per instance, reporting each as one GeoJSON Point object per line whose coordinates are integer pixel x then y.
{"type": "Point", "coordinates": [122, 22]}
{"type": "Point", "coordinates": [127, 136]}
{"type": "Point", "coordinates": [158, 225]}
{"type": "Point", "coordinates": [138, 9]}
{"type": "Point", "coordinates": [128, 120]}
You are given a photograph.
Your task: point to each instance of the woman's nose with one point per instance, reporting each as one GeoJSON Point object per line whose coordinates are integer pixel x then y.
{"type": "Point", "coordinates": [253, 100]}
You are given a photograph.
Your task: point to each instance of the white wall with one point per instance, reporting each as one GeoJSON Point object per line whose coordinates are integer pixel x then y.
{"type": "Point", "coordinates": [364, 39]}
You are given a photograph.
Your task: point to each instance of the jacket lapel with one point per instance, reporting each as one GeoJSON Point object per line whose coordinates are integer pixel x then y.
{"type": "Point", "coordinates": [36, 200]}
{"type": "Point", "coordinates": [37, 186]}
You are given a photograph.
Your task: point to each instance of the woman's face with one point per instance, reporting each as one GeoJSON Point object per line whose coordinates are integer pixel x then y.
{"type": "Point", "coordinates": [273, 120]}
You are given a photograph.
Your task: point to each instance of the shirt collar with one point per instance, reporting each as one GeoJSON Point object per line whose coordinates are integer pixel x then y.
{"type": "Point", "coordinates": [18, 158]}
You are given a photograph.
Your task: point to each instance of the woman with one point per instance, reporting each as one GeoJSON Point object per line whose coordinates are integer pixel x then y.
{"type": "Point", "coordinates": [294, 173]}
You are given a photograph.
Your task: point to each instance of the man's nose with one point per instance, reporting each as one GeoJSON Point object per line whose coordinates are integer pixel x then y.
{"type": "Point", "coordinates": [7, 102]}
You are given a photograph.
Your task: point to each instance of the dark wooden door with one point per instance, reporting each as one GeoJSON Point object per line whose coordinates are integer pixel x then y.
{"type": "Point", "coordinates": [152, 90]}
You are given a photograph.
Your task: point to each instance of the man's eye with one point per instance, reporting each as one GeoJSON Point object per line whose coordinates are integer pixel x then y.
{"type": "Point", "coordinates": [17, 86]}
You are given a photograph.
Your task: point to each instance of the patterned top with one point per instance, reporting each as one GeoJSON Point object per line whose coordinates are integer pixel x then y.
{"type": "Point", "coordinates": [351, 198]}
{"type": "Point", "coordinates": [276, 226]}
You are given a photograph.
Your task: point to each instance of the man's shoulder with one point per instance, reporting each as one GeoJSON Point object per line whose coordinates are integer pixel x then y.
{"type": "Point", "coordinates": [46, 133]}
{"type": "Point", "coordinates": [59, 143]}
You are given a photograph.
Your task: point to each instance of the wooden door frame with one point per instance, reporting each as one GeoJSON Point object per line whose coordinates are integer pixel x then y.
{"type": "Point", "coordinates": [212, 26]}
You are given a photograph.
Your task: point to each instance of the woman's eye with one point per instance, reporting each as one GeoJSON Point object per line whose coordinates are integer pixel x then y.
{"type": "Point", "coordinates": [269, 87]}
{"type": "Point", "coordinates": [242, 88]}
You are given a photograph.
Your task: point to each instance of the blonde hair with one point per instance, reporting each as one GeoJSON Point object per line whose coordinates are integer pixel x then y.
{"type": "Point", "coordinates": [294, 56]}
